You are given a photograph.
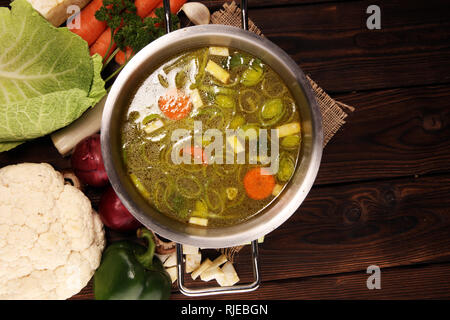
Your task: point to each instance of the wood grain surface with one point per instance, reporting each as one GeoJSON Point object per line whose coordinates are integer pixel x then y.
{"type": "Point", "coordinates": [382, 196]}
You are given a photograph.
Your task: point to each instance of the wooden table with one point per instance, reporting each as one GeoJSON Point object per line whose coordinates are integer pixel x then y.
{"type": "Point", "coordinates": [382, 196]}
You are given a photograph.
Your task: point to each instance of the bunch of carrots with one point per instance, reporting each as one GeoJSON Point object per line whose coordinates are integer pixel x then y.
{"type": "Point", "coordinates": [99, 36]}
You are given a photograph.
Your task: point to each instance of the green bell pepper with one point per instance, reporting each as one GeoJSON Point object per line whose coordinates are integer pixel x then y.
{"type": "Point", "coordinates": [130, 271]}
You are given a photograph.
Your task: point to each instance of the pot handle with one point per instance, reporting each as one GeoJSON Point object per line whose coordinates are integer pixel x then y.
{"type": "Point", "coordinates": [244, 14]}
{"type": "Point", "coordinates": [208, 291]}
{"type": "Point", "coordinates": [167, 15]}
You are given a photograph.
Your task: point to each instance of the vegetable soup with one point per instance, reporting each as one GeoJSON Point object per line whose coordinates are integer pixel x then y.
{"type": "Point", "coordinates": [227, 177]}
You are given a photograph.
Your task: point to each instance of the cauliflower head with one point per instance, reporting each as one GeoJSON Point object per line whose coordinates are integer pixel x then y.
{"type": "Point", "coordinates": [51, 239]}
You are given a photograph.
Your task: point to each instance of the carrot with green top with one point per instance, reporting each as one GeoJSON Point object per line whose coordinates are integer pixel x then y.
{"type": "Point", "coordinates": [90, 28]}
{"type": "Point", "coordinates": [175, 6]}
{"type": "Point", "coordinates": [103, 44]}
{"type": "Point", "coordinates": [145, 7]}
{"type": "Point", "coordinates": [259, 183]}
{"type": "Point", "coordinates": [123, 57]}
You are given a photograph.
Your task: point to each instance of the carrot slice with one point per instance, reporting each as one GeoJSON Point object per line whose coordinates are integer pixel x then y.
{"type": "Point", "coordinates": [90, 27]}
{"type": "Point", "coordinates": [258, 183]}
{"type": "Point", "coordinates": [175, 105]}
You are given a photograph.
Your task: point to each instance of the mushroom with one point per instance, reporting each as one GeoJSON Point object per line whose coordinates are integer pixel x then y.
{"type": "Point", "coordinates": [163, 247]}
{"type": "Point", "coordinates": [70, 178]}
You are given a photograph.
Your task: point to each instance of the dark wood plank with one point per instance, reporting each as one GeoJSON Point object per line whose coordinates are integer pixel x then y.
{"type": "Point", "coordinates": [423, 282]}
{"type": "Point", "coordinates": [331, 42]}
{"type": "Point", "coordinates": [349, 227]}
{"type": "Point", "coordinates": [392, 133]}
{"type": "Point", "coordinates": [346, 228]}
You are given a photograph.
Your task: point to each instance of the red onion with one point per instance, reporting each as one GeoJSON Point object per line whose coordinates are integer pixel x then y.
{"type": "Point", "coordinates": [114, 214]}
{"type": "Point", "coordinates": [87, 162]}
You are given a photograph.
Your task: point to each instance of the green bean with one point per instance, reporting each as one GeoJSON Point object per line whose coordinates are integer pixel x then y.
{"type": "Point", "coordinates": [180, 79]}
{"type": "Point", "coordinates": [217, 90]}
{"type": "Point", "coordinates": [163, 81]}
{"type": "Point", "coordinates": [133, 116]}
{"type": "Point", "coordinates": [201, 70]}
{"type": "Point", "coordinates": [178, 62]}
{"type": "Point", "coordinates": [150, 118]}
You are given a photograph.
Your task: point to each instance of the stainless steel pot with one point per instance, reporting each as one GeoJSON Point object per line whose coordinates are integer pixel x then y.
{"type": "Point", "coordinates": [142, 65]}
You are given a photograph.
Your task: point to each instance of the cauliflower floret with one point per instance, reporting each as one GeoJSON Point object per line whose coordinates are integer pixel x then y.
{"type": "Point", "coordinates": [50, 238]}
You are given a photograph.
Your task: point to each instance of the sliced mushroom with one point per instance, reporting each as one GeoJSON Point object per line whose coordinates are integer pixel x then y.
{"type": "Point", "coordinates": [163, 247]}
{"type": "Point", "coordinates": [70, 178]}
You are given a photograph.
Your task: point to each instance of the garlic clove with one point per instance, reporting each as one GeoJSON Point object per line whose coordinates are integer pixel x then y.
{"type": "Point", "coordinates": [197, 12]}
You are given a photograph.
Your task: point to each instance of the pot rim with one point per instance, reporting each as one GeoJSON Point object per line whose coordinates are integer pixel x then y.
{"type": "Point", "coordinates": [249, 229]}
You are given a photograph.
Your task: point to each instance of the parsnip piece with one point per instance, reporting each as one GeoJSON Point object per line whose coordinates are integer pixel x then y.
{"type": "Point", "coordinates": [217, 71]}
{"type": "Point", "coordinates": [204, 266]}
{"type": "Point", "coordinates": [277, 189]}
{"type": "Point", "coordinates": [219, 51]}
{"type": "Point", "coordinates": [221, 280]}
{"type": "Point", "coordinates": [231, 277]}
{"type": "Point", "coordinates": [196, 99]}
{"type": "Point", "coordinates": [162, 257]}
{"type": "Point", "coordinates": [198, 221]}
{"type": "Point", "coordinates": [172, 271]}
{"type": "Point", "coordinates": [193, 261]}
{"type": "Point", "coordinates": [218, 261]}
{"type": "Point", "coordinates": [211, 273]}
{"type": "Point", "coordinates": [170, 261]}
{"type": "Point", "coordinates": [187, 249]}
{"type": "Point", "coordinates": [288, 129]}
{"type": "Point", "coordinates": [153, 126]}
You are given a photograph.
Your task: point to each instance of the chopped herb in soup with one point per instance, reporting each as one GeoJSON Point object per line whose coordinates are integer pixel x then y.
{"type": "Point", "coordinates": [211, 137]}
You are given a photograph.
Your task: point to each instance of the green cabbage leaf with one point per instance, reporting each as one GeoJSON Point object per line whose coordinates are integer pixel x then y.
{"type": "Point", "coordinates": [47, 77]}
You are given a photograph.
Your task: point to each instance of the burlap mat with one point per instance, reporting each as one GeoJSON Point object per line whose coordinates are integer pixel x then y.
{"type": "Point", "coordinates": [333, 113]}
